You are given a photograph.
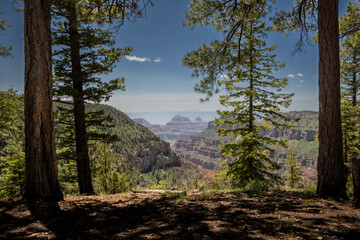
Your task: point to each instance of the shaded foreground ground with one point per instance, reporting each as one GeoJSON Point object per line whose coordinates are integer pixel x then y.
{"type": "Point", "coordinates": [197, 216]}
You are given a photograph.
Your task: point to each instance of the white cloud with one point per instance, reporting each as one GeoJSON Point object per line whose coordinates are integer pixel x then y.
{"type": "Point", "coordinates": [291, 76]}
{"type": "Point", "coordinates": [299, 86]}
{"type": "Point", "coordinates": [137, 59]}
{"type": "Point", "coordinates": [301, 81]}
{"type": "Point", "coordinates": [157, 60]}
{"type": "Point", "coordinates": [225, 76]}
{"type": "Point", "coordinates": [300, 74]}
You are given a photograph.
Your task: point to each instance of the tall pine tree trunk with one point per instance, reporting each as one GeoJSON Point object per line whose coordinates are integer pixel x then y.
{"type": "Point", "coordinates": [331, 176]}
{"type": "Point", "coordinates": [354, 90]}
{"type": "Point", "coordinates": [41, 170]}
{"type": "Point", "coordinates": [82, 154]}
{"type": "Point", "coordinates": [251, 79]}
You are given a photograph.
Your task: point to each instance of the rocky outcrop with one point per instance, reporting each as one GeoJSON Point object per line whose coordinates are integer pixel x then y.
{"type": "Point", "coordinates": [179, 118]}
{"type": "Point", "coordinates": [159, 155]}
{"type": "Point", "coordinates": [211, 125]}
{"type": "Point", "coordinates": [201, 162]}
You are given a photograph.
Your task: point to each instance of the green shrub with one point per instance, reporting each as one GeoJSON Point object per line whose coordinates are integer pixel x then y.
{"type": "Point", "coordinates": [310, 188]}
{"type": "Point", "coordinates": [162, 185]}
{"type": "Point", "coordinates": [118, 183]}
{"type": "Point", "coordinates": [221, 180]}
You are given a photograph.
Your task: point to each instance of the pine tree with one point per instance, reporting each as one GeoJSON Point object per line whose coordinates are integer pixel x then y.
{"type": "Point", "coordinates": [85, 51]}
{"type": "Point", "coordinates": [350, 79]}
{"type": "Point", "coordinates": [109, 172]}
{"type": "Point", "coordinates": [244, 65]}
{"type": "Point", "coordinates": [104, 165]}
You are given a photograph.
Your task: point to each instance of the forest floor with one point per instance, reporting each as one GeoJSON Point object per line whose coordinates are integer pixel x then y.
{"type": "Point", "coordinates": [208, 215]}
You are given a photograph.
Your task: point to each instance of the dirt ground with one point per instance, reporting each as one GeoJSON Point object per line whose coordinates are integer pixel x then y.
{"type": "Point", "coordinates": [275, 215]}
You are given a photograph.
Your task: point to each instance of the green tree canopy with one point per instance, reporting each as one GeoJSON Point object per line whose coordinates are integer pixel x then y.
{"type": "Point", "coordinates": [4, 51]}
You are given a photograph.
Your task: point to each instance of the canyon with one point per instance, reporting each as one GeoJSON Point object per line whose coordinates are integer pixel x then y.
{"type": "Point", "coordinates": [178, 128]}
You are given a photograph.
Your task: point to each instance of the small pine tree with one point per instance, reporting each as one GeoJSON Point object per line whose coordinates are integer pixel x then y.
{"type": "Point", "coordinates": [109, 173]}
{"type": "Point", "coordinates": [293, 175]}
{"type": "Point", "coordinates": [118, 183]}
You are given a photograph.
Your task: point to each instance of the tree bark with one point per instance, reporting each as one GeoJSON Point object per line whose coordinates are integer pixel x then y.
{"type": "Point", "coordinates": [82, 153]}
{"type": "Point", "coordinates": [355, 165]}
{"type": "Point", "coordinates": [331, 175]}
{"type": "Point", "coordinates": [40, 157]}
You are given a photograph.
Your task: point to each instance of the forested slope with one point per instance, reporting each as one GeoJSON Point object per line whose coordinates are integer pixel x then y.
{"type": "Point", "coordinates": [131, 134]}
{"type": "Point", "coordinates": [137, 157]}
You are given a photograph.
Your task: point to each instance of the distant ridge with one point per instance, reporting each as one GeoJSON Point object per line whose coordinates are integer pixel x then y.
{"type": "Point", "coordinates": [141, 121]}
{"type": "Point", "coordinates": [165, 117]}
{"type": "Point", "coordinates": [145, 123]}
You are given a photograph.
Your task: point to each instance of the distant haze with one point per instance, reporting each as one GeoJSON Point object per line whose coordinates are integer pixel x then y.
{"type": "Point", "coordinates": [165, 117]}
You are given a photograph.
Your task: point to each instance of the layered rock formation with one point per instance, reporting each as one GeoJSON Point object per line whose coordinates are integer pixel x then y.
{"type": "Point", "coordinates": [291, 134]}
{"type": "Point", "coordinates": [203, 148]}
{"type": "Point", "coordinates": [159, 155]}
{"type": "Point", "coordinates": [178, 128]}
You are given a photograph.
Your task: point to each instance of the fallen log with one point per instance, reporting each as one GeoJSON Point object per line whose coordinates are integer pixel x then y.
{"type": "Point", "coordinates": [170, 192]}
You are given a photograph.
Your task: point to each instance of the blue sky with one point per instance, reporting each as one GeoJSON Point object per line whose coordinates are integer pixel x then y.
{"type": "Point", "coordinates": [155, 79]}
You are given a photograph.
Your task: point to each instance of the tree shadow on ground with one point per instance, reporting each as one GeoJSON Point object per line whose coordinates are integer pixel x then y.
{"type": "Point", "coordinates": [201, 216]}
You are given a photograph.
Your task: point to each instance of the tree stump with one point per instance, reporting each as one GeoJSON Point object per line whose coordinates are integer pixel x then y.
{"type": "Point", "coordinates": [44, 210]}
{"type": "Point", "coordinates": [355, 165]}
